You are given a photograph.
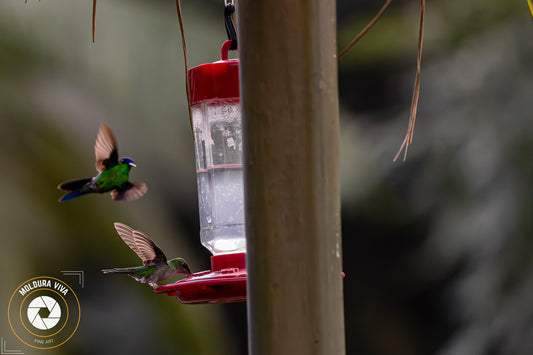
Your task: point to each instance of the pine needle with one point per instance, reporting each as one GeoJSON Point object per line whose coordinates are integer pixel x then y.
{"type": "Point", "coordinates": [187, 84]}
{"type": "Point", "coordinates": [416, 92]}
{"type": "Point", "coordinates": [94, 17]}
{"type": "Point", "coordinates": [365, 30]}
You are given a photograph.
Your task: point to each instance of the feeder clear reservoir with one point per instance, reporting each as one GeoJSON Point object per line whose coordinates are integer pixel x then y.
{"type": "Point", "coordinates": [216, 119]}
{"type": "Point", "coordinates": [218, 145]}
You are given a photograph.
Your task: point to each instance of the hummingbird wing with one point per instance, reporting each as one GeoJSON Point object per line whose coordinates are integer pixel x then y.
{"type": "Point", "coordinates": [151, 252]}
{"type": "Point", "coordinates": [126, 233]}
{"type": "Point", "coordinates": [141, 244]}
{"type": "Point", "coordinates": [105, 149]}
{"type": "Point", "coordinates": [130, 191]}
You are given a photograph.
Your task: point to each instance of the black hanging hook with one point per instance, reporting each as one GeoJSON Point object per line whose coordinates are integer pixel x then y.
{"type": "Point", "coordinates": [229, 9]}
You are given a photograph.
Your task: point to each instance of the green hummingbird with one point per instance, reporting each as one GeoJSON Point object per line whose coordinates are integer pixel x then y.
{"type": "Point", "coordinates": [156, 267]}
{"type": "Point", "coordinates": [113, 174]}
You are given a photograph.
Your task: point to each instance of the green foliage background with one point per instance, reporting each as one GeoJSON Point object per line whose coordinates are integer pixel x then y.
{"type": "Point", "coordinates": [55, 89]}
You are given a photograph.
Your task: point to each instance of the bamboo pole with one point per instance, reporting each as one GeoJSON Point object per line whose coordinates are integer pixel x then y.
{"type": "Point", "coordinates": [289, 101]}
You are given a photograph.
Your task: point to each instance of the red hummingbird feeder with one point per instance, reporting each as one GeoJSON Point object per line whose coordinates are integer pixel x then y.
{"type": "Point", "coordinates": [216, 117]}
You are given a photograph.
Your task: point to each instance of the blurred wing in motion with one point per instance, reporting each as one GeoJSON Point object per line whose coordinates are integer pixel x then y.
{"type": "Point", "coordinates": [130, 191]}
{"type": "Point", "coordinates": [105, 149]}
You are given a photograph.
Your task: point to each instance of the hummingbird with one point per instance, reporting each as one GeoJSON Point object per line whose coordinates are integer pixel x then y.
{"type": "Point", "coordinates": [156, 267]}
{"type": "Point", "coordinates": [112, 175]}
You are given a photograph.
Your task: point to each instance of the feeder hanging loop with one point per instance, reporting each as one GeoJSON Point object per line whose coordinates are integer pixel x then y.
{"type": "Point", "coordinates": [229, 9]}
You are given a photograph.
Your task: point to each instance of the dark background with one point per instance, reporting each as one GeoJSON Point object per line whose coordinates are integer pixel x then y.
{"type": "Point", "coordinates": [437, 249]}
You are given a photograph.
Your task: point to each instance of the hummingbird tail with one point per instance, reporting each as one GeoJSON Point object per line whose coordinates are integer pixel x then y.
{"type": "Point", "coordinates": [73, 185]}
{"type": "Point", "coordinates": [118, 271]}
{"type": "Point", "coordinates": [72, 195]}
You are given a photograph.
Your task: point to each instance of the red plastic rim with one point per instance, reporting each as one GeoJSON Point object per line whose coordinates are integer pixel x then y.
{"type": "Point", "coordinates": [226, 282]}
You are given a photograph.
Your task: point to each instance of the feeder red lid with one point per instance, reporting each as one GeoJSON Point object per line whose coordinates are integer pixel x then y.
{"type": "Point", "coordinates": [226, 282]}
{"type": "Point", "coordinates": [218, 80]}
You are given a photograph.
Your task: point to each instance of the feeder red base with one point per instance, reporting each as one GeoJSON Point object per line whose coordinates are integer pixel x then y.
{"type": "Point", "coordinates": [225, 282]}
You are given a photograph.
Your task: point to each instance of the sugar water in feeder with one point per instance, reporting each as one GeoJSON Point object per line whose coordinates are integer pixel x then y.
{"type": "Point", "coordinates": [218, 144]}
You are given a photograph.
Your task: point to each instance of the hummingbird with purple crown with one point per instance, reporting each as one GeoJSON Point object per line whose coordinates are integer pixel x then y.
{"type": "Point", "coordinates": [113, 173]}
{"type": "Point", "coordinates": [156, 267]}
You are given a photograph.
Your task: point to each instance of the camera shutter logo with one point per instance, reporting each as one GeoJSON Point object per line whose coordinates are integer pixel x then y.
{"type": "Point", "coordinates": [44, 312]}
